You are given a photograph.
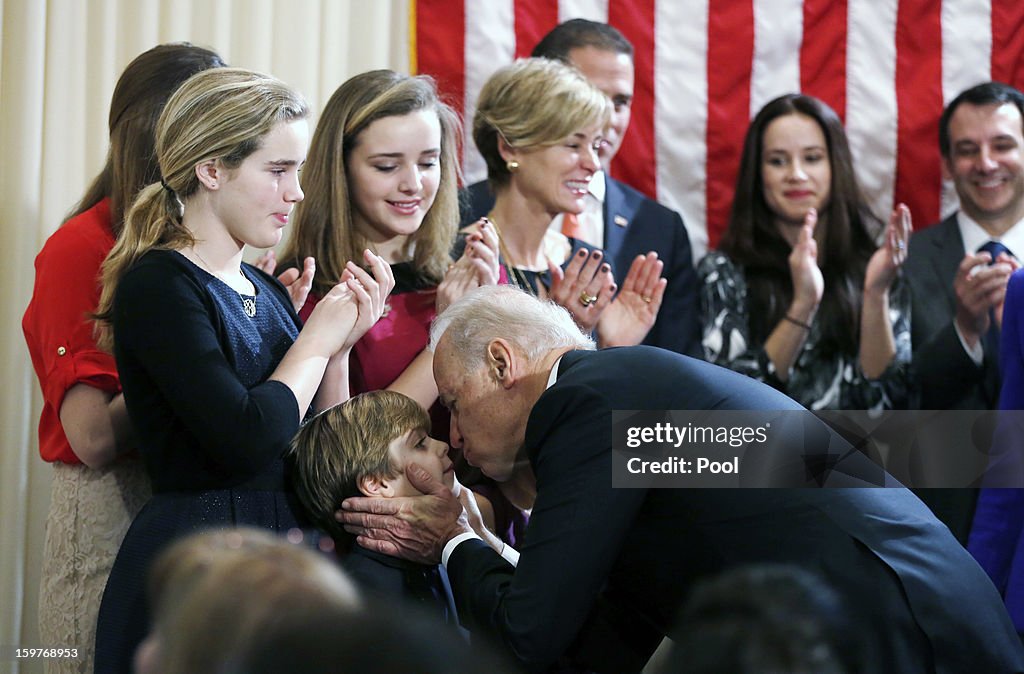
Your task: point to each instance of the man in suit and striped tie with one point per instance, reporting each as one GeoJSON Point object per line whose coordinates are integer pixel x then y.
{"type": "Point", "coordinates": [958, 269]}
{"type": "Point", "coordinates": [616, 217]}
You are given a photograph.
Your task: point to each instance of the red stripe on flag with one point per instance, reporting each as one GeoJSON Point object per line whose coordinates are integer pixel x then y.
{"type": "Point", "coordinates": [1008, 42]}
{"type": "Point", "coordinates": [918, 100]}
{"type": "Point", "coordinates": [533, 20]}
{"type": "Point", "coordinates": [823, 53]}
{"type": "Point", "coordinates": [730, 63]}
{"type": "Point", "coordinates": [440, 47]}
{"type": "Point", "coordinates": [636, 162]}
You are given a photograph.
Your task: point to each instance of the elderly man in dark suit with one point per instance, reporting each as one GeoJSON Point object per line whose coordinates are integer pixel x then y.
{"type": "Point", "coordinates": [958, 270]}
{"type": "Point", "coordinates": [616, 217]}
{"type": "Point", "coordinates": [603, 570]}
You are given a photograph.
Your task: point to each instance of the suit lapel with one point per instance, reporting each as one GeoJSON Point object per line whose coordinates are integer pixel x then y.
{"type": "Point", "coordinates": [949, 251]}
{"type": "Point", "coordinates": [619, 212]}
{"type": "Point", "coordinates": [946, 258]}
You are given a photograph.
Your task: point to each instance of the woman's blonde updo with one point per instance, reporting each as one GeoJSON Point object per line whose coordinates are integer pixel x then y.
{"type": "Point", "coordinates": [533, 103]}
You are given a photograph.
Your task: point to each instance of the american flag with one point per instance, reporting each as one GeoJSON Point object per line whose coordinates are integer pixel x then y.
{"type": "Point", "coordinates": [703, 68]}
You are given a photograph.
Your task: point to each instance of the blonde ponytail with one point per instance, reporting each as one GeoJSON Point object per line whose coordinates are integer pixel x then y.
{"type": "Point", "coordinates": [154, 222]}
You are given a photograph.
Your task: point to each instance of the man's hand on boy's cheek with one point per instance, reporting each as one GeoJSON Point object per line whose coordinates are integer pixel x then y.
{"type": "Point", "coordinates": [411, 527]}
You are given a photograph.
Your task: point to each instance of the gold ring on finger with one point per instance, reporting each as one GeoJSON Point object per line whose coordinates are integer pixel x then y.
{"type": "Point", "coordinates": [587, 300]}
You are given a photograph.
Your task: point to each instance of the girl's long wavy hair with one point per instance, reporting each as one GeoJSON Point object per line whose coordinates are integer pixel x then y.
{"type": "Point", "coordinates": [323, 226]}
{"type": "Point", "coordinates": [139, 98]}
{"type": "Point", "coordinates": [222, 114]}
{"type": "Point", "coordinates": [846, 233]}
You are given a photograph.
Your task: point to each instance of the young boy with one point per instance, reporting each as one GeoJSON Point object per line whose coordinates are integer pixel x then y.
{"type": "Point", "coordinates": [361, 447]}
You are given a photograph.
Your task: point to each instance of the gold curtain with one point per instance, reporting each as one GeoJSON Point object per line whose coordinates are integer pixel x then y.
{"type": "Point", "coordinates": [59, 61]}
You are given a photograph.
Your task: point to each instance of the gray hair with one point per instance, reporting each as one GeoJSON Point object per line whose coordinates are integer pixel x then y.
{"type": "Point", "coordinates": [532, 326]}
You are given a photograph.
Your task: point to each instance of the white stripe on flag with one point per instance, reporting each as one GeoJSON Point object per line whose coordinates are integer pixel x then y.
{"type": "Point", "coordinates": [871, 98]}
{"type": "Point", "coordinates": [681, 71]}
{"type": "Point", "coordinates": [966, 61]}
{"type": "Point", "coordinates": [680, 113]}
{"type": "Point", "coordinates": [490, 44]}
{"type": "Point", "coordinates": [778, 31]}
{"type": "Point", "coordinates": [595, 10]}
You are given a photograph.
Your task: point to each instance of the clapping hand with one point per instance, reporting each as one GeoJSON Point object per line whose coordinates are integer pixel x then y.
{"type": "Point", "coordinates": [297, 283]}
{"type": "Point", "coordinates": [585, 288]}
{"type": "Point", "coordinates": [632, 313]}
{"type": "Point", "coordinates": [477, 266]}
{"type": "Point", "coordinates": [370, 291]}
{"type": "Point", "coordinates": [980, 289]}
{"type": "Point", "coordinates": [331, 320]}
{"type": "Point", "coordinates": [481, 251]}
{"type": "Point", "coordinates": [808, 281]}
{"type": "Point", "coordinates": [885, 263]}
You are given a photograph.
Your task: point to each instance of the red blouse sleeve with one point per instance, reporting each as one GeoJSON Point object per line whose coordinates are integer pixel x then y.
{"type": "Point", "coordinates": [57, 328]}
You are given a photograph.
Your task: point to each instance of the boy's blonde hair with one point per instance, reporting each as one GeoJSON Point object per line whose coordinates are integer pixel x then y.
{"type": "Point", "coordinates": [346, 443]}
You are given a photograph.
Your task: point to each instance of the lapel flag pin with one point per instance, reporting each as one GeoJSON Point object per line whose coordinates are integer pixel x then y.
{"type": "Point", "coordinates": [620, 220]}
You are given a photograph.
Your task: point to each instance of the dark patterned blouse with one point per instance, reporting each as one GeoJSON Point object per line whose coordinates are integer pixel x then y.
{"type": "Point", "coordinates": [819, 380]}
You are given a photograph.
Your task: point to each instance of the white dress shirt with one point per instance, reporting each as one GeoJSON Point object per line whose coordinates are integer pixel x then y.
{"type": "Point", "coordinates": [974, 237]}
{"type": "Point", "coordinates": [592, 218]}
{"type": "Point", "coordinates": [510, 554]}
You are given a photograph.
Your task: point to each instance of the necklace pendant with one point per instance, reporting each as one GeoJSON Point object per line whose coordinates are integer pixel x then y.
{"type": "Point", "coordinates": [249, 306]}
